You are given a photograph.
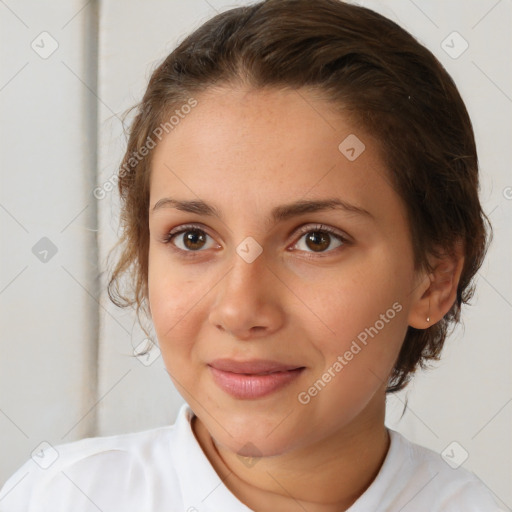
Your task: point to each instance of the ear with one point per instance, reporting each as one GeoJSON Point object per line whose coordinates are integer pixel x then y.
{"type": "Point", "coordinates": [437, 291]}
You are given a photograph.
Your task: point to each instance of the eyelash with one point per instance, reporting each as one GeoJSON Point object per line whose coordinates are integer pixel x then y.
{"type": "Point", "coordinates": [321, 228]}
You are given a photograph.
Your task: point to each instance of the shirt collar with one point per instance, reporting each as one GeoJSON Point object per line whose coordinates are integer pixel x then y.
{"type": "Point", "coordinates": [202, 488]}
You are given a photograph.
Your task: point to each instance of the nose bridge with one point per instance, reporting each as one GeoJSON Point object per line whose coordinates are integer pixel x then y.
{"type": "Point", "coordinates": [248, 262]}
{"type": "Point", "coordinates": [245, 298]}
{"type": "Point", "coordinates": [247, 277]}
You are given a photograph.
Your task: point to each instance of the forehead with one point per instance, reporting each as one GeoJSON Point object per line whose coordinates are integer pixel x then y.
{"type": "Point", "coordinates": [269, 147]}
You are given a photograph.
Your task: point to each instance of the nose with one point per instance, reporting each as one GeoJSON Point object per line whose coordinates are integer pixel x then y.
{"type": "Point", "coordinates": [247, 302]}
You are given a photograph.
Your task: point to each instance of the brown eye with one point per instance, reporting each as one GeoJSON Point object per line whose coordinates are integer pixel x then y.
{"type": "Point", "coordinates": [318, 240]}
{"type": "Point", "coordinates": [194, 240]}
{"type": "Point", "coordinates": [190, 240]}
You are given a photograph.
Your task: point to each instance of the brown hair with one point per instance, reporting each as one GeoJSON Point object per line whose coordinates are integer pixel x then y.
{"type": "Point", "coordinates": [365, 64]}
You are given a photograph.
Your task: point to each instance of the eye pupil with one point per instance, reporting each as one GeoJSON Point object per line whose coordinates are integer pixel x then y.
{"type": "Point", "coordinates": [320, 240]}
{"type": "Point", "coordinates": [194, 239]}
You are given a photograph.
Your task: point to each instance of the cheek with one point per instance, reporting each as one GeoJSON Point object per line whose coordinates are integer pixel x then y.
{"type": "Point", "coordinates": [366, 315]}
{"type": "Point", "coordinates": [172, 296]}
{"type": "Point", "coordinates": [358, 357]}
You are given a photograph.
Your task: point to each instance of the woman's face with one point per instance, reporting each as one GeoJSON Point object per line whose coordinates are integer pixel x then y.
{"type": "Point", "coordinates": [267, 266]}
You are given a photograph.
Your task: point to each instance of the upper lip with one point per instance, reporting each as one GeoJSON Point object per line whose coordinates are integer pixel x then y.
{"type": "Point", "coordinates": [252, 366]}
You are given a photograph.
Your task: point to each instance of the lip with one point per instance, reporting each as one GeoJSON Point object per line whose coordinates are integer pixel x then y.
{"type": "Point", "coordinates": [252, 379]}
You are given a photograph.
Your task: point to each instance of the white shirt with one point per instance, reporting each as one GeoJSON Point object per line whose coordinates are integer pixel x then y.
{"type": "Point", "coordinates": [165, 470]}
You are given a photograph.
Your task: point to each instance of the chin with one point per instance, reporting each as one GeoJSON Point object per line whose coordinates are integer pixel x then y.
{"type": "Point", "coordinates": [255, 441]}
{"type": "Point", "coordinates": [257, 448]}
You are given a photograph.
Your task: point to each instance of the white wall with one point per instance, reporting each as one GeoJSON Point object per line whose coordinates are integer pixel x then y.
{"type": "Point", "coordinates": [48, 310]}
{"type": "Point", "coordinates": [49, 342]}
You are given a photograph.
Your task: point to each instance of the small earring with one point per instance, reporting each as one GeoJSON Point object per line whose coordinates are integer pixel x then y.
{"type": "Point", "coordinates": [428, 317]}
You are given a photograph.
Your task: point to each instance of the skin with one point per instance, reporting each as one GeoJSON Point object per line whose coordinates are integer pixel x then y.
{"type": "Point", "coordinates": [245, 152]}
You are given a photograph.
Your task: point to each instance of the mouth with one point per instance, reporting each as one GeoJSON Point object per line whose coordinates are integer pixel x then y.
{"type": "Point", "coordinates": [249, 380]}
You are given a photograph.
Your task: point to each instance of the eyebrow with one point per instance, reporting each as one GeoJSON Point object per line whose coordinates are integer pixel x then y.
{"type": "Point", "coordinates": [279, 213]}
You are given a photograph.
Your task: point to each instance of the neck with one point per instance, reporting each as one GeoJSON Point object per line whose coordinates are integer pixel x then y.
{"type": "Point", "coordinates": [328, 475]}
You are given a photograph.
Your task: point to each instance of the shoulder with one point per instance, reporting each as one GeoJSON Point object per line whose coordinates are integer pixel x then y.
{"type": "Point", "coordinates": [102, 471]}
{"type": "Point", "coordinates": [440, 481]}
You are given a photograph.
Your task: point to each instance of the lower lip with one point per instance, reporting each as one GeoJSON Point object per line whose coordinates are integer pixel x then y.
{"type": "Point", "coordinates": [253, 386]}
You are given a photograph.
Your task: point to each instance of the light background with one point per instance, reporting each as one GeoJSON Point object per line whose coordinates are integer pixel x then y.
{"type": "Point", "coordinates": [66, 365]}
